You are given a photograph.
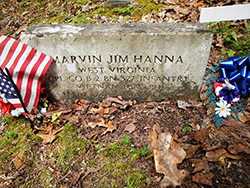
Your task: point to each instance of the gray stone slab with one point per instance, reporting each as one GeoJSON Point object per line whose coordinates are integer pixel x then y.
{"type": "Point", "coordinates": [118, 1]}
{"type": "Point", "coordinates": [140, 61]}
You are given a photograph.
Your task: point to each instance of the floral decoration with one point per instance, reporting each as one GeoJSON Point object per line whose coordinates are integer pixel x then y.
{"type": "Point", "coordinates": [226, 91]}
{"type": "Point", "coordinates": [224, 108]}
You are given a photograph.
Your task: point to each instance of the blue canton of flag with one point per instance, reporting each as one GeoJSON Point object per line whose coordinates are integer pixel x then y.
{"type": "Point", "coordinates": [6, 89]}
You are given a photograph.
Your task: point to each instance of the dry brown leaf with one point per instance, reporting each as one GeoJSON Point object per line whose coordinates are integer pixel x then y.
{"type": "Point", "coordinates": [200, 164]}
{"type": "Point", "coordinates": [167, 154]}
{"type": "Point", "coordinates": [81, 105]}
{"type": "Point", "coordinates": [130, 127]}
{"type": "Point", "coordinates": [242, 117]}
{"type": "Point", "coordinates": [183, 104]}
{"type": "Point", "coordinates": [112, 109]}
{"type": "Point", "coordinates": [190, 149]}
{"type": "Point", "coordinates": [99, 110]}
{"type": "Point", "coordinates": [106, 104]}
{"type": "Point", "coordinates": [47, 138]}
{"type": "Point", "coordinates": [117, 100]}
{"type": "Point", "coordinates": [110, 127]}
{"type": "Point", "coordinates": [202, 178]}
{"type": "Point", "coordinates": [200, 136]}
{"type": "Point", "coordinates": [46, 130]}
{"type": "Point", "coordinates": [220, 155]}
{"type": "Point", "coordinates": [51, 136]}
{"type": "Point", "coordinates": [238, 148]}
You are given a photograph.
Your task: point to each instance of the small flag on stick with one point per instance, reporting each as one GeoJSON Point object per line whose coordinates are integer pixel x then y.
{"type": "Point", "coordinates": [27, 67]}
{"type": "Point", "coordinates": [9, 90]}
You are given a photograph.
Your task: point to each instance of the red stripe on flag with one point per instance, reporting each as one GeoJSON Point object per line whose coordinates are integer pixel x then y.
{"type": "Point", "coordinates": [3, 44]}
{"type": "Point", "coordinates": [10, 53]}
{"type": "Point", "coordinates": [12, 67]}
{"type": "Point", "coordinates": [23, 68]}
{"type": "Point", "coordinates": [31, 78]}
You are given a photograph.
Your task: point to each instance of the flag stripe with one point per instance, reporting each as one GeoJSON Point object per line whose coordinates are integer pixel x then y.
{"type": "Point", "coordinates": [4, 41]}
{"type": "Point", "coordinates": [27, 67]}
{"type": "Point", "coordinates": [15, 58]}
{"type": "Point", "coordinates": [10, 53]}
{"type": "Point", "coordinates": [6, 50]}
{"type": "Point", "coordinates": [37, 60]}
{"type": "Point", "coordinates": [40, 72]}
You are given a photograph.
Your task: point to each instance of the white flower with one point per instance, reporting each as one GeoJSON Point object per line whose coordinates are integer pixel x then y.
{"type": "Point", "coordinates": [43, 110]}
{"type": "Point", "coordinates": [223, 109]}
{"type": "Point", "coordinates": [15, 113]}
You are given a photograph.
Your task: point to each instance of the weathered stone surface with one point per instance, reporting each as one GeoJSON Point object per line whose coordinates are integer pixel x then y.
{"type": "Point", "coordinates": [118, 1]}
{"type": "Point", "coordinates": [141, 61]}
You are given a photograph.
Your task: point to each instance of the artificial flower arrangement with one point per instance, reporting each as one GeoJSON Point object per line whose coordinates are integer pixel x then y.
{"type": "Point", "coordinates": [225, 94]}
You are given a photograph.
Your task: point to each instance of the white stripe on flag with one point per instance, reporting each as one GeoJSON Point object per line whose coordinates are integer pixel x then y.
{"type": "Point", "coordinates": [6, 49]}
{"type": "Point", "coordinates": [19, 64]}
{"type": "Point", "coordinates": [38, 75]}
{"type": "Point", "coordinates": [14, 56]}
{"type": "Point", "coordinates": [2, 38]}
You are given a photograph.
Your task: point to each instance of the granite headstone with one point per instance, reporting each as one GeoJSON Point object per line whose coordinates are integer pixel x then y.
{"type": "Point", "coordinates": [140, 61]}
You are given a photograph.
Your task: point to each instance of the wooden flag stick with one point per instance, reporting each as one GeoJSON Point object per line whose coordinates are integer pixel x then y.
{"type": "Point", "coordinates": [19, 95]}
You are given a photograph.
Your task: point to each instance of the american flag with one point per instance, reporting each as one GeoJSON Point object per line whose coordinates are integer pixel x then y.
{"type": "Point", "coordinates": [27, 67]}
{"type": "Point", "coordinates": [6, 88]}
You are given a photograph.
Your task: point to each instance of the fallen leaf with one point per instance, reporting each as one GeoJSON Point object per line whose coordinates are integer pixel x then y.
{"type": "Point", "coordinates": [99, 110]}
{"type": "Point", "coordinates": [183, 104]}
{"type": "Point", "coordinates": [92, 169]}
{"type": "Point", "coordinates": [66, 108]}
{"type": "Point", "coordinates": [106, 104]}
{"type": "Point", "coordinates": [130, 127]}
{"type": "Point", "coordinates": [81, 105]}
{"type": "Point", "coordinates": [238, 148]}
{"type": "Point", "coordinates": [190, 149]}
{"type": "Point", "coordinates": [167, 154]}
{"type": "Point", "coordinates": [200, 164]}
{"type": "Point", "coordinates": [200, 136]}
{"type": "Point", "coordinates": [220, 155]}
{"type": "Point", "coordinates": [47, 138]}
{"type": "Point", "coordinates": [51, 136]}
{"type": "Point", "coordinates": [117, 100]}
{"type": "Point", "coordinates": [202, 178]}
{"type": "Point", "coordinates": [112, 110]}
{"type": "Point", "coordinates": [110, 127]}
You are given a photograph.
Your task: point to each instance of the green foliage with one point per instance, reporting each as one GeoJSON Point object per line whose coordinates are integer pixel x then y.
{"type": "Point", "coordinates": [17, 137]}
{"type": "Point", "coordinates": [236, 38]}
{"type": "Point", "coordinates": [7, 118]}
{"type": "Point", "coordinates": [119, 167]}
{"type": "Point", "coordinates": [55, 116]}
{"type": "Point", "coordinates": [122, 11]}
{"type": "Point", "coordinates": [9, 134]}
{"type": "Point", "coordinates": [186, 128]}
{"type": "Point", "coordinates": [125, 140]}
{"type": "Point", "coordinates": [144, 150]}
{"type": "Point", "coordinates": [1, 15]}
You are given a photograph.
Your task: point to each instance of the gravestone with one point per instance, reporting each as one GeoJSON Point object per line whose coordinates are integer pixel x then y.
{"type": "Point", "coordinates": [118, 1]}
{"type": "Point", "coordinates": [139, 61]}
